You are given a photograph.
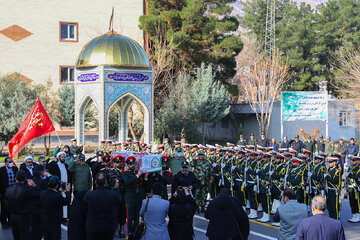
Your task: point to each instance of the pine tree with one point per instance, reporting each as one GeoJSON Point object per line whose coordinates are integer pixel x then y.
{"type": "Point", "coordinates": [67, 105]}
{"type": "Point", "coordinates": [199, 31]}
{"type": "Point", "coordinates": [209, 98]}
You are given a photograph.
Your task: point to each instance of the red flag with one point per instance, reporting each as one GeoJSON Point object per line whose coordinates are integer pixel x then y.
{"type": "Point", "coordinates": [36, 123]}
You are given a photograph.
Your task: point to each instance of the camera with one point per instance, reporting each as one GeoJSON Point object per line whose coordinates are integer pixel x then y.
{"type": "Point", "coordinates": [62, 184]}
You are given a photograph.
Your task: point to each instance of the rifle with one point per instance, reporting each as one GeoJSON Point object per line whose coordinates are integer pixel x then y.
{"type": "Point", "coordinates": [270, 182]}
{"type": "Point", "coordinates": [286, 174]}
{"type": "Point", "coordinates": [325, 181]}
{"type": "Point", "coordinates": [257, 177]}
{"type": "Point", "coordinates": [232, 176]}
{"type": "Point", "coordinates": [222, 171]}
{"type": "Point", "coordinates": [309, 178]}
{"type": "Point", "coordinates": [245, 171]}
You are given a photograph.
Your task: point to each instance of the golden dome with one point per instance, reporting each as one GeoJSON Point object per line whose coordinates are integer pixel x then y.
{"type": "Point", "coordinates": [112, 49]}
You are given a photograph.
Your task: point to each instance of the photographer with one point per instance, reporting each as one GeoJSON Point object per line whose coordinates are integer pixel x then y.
{"type": "Point", "coordinates": [181, 213]}
{"type": "Point", "coordinates": [51, 207]}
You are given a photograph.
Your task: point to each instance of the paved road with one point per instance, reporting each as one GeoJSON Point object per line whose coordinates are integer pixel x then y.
{"type": "Point", "coordinates": [259, 231]}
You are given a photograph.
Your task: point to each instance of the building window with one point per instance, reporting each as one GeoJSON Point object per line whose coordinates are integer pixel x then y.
{"type": "Point", "coordinates": [344, 118]}
{"type": "Point", "coordinates": [225, 123]}
{"type": "Point", "coordinates": [67, 74]}
{"type": "Point", "coordinates": [68, 32]}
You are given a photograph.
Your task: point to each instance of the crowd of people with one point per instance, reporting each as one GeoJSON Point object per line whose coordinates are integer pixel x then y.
{"type": "Point", "coordinates": [107, 194]}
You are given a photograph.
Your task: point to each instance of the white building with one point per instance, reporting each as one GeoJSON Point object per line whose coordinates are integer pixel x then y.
{"type": "Point", "coordinates": [342, 123]}
{"type": "Point", "coordinates": [42, 39]}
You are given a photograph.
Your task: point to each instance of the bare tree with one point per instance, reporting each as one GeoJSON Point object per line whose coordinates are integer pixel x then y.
{"type": "Point", "coordinates": [261, 80]}
{"type": "Point", "coordinates": [165, 63]}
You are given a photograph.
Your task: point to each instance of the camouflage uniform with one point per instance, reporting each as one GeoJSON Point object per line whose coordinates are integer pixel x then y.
{"type": "Point", "coordinates": [202, 171]}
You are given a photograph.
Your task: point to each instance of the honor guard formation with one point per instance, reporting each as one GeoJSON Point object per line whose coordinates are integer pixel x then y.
{"type": "Point", "coordinates": [257, 171]}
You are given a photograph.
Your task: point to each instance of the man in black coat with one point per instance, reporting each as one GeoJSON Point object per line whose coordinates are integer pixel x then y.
{"type": "Point", "coordinates": [41, 180]}
{"type": "Point", "coordinates": [224, 215]}
{"type": "Point", "coordinates": [28, 166]}
{"type": "Point", "coordinates": [263, 141]}
{"type": "Point", "coordinates": [52, 202]}
{"type": "Point", "coordinates": [102, 205]}
{"type": "Point", "coordinates": [7, 179]}
{"type": "Point", "coordinates": [296, 144]}
{"type": "Point", "coordinates": [185, 178]}
{"type": "Point", "coordinates": [20, 196]}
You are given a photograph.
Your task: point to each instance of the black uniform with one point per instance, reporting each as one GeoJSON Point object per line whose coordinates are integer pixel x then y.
{"type": "Point", "coordinates": [181, 180]}
{"type": "Point", "coordinates": [20, 197]}
{"type": "Point", "coordinates": [333, 195]}
{"type": "Point", "coordinates": [52, 203]}
{"type": "Point", "coordinates": [4, 184]}
{"type": "Point", "coordinates": [36, 230]}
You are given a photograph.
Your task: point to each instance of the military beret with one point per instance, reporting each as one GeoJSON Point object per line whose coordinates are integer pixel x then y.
{"type": "Point", "coordinates": [302, 156]}
{"type": "Point", "coordinates": [282, 149]}
{"type": "Point", "coordinates": [267, 155]}
{"type": "Point", "coordinates": [355, 158]}
{"type": "Point", "coordinates": [165, 158]}
{"type": "Point", "coordinates": [21, 175]}
{"type": "Point", "coordinates": [280, 156]}
{"type": "Point", "coordinates": [131, 159]}
{"type": "Point", "coordinates": [118, 158]}
{"type": "Point", "coordinates": [106, 158]}
{"type": "Point", "coordinates": [336, 154]}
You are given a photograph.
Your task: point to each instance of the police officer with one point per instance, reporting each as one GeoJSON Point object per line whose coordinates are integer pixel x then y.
{"type": "Point", "coordinates": [185, 178]}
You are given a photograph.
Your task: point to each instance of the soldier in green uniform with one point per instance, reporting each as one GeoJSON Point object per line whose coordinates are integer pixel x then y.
{"type": "Point", "coordinates": [102, 145]}
{"type": "Point", "coordinates": [202, 172]}
{"type": "Point", "coordinates": [212, 158]}
{"type": "Point", "coordinates": [353, 189]}
{"type": "Point", "coordinates": [295, 179]}
{"type": "Point", "coordinates": [133, 194]}
{"type": "Point", "coordinates": [251, 188]}
{"type": "Point", "coordinates": [167, 147]}
{"type": "Point", "coordinates": [309, 145]}
{"type": "Point", "coordinates": [176, 160]}
{"type": "Point", "coordinates": [333, 180]}
{"type": "Point", "coordinates": [136, 146]}
{"type": "Point", "coordinates": [109, 147]}
{"type": "Point", "coordinates": [74, 148]}
{"type": "Point", "coordinates": [264, 186]}
{"type": "Point", "coordinates": [252, 140]}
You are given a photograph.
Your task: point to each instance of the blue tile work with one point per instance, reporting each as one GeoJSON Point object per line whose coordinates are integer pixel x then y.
{"type": "Point", "coordinates": [115, 91]}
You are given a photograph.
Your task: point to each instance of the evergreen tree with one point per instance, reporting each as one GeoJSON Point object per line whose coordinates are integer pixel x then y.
{"type": "Point", "coordinates": [16, 99]}
{"type": "Point", "coordinates": [176, 117]}
{"type": "Point", "coordinates": [67, 105]}
{"type": "Point", "coordinates": [209, 98]}
{"type": "Point", "coordinates": [199, 31]}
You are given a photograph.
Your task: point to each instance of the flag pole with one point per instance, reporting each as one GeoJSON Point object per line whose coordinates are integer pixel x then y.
{"type": "Point", "coordinates": [58, 136]}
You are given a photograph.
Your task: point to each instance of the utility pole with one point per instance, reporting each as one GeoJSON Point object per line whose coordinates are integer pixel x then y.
{"type": "Point", "coordinates": [270, 29]}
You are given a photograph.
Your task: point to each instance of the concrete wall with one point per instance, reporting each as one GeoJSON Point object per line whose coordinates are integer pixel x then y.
{"type": "Point", "coordinates": [39, 55]}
